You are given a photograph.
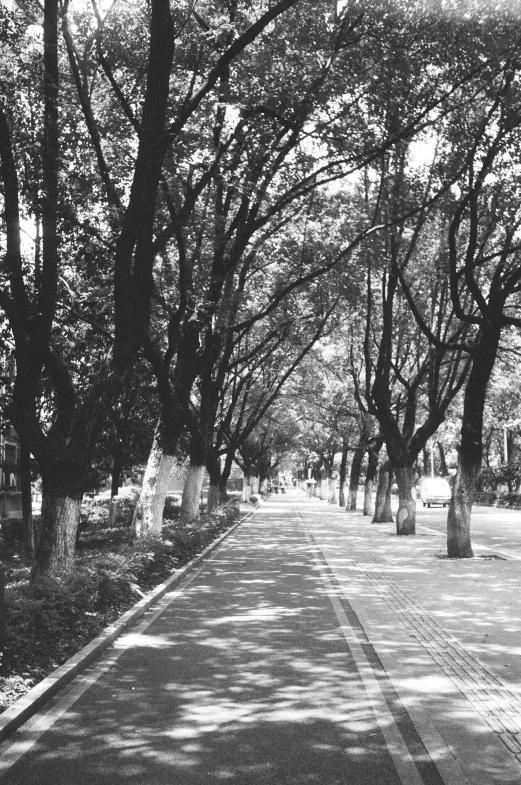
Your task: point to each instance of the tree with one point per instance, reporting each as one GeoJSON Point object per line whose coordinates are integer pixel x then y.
{"type": "Point", "coordinates": [485, 281]}
{"type": "Point", "coordinates": [32, 297]}
{"type": "Point", "coordinates": [258, 177]}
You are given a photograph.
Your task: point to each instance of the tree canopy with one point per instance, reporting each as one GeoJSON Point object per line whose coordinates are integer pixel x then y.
{"type": "Point", "coordinates": [197, 195]}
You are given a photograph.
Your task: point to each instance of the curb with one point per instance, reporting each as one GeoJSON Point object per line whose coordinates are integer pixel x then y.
{"type": "Point", "coordinates": [26, 706]}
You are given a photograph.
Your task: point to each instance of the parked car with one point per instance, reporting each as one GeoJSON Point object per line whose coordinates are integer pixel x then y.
{"type": "Point", "coordinates": [435, 490]}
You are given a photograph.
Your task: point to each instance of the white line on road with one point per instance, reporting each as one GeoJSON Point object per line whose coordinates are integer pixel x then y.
{"type": "Point", "coordinates": [405, 765]}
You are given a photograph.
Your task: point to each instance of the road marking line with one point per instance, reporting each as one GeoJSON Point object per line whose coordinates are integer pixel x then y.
{"type": "Point", "coordinates": [402, 759]}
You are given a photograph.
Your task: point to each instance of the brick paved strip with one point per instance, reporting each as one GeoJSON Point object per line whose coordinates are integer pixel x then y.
{"type": "Point", "coordinates": [492, 698]}
{"type": "Point", "coordinates": [412, 737]}
{"type": "Point", "coordinates": [403, 761]}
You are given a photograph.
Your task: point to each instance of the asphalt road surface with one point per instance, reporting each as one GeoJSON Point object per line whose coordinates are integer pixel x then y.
{"type": "Point", "coordinates": [491, 528]}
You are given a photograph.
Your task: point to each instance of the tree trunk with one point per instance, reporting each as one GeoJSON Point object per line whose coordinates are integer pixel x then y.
{"type": "Point", "coordinates": [383, 512]}
{"type": "Point", "coordinates": [332, 497]}
{"type": "Point", "coordinates": [324, 481]}
{"type": "Point", "coordinates": [368, 496]}
{"type": "Point", "coordinates": [213, 468]}
{"type": "Point", "coordinates": [342, 476]}
{"type": "Point", "coordinates": [190, 503]}
{"type": "Point", "coordinates": [406, 515]}
{"type": "Point", "coordinates": [59, 521]}
{"type": "Point", "coordinates": [27, 499]}
{"type": "Point", "coordinates": [443, 463]}
{"type": "Point", "coordinates": [148, 514]}
{"type": "Point", "coordinates": [368, 491]}
{"type": "Point", "coordinates": [425, 456]}
{"type": "Point", "coordinates": [214, 498]}
{"type": "Point", "coordinates": [354, 477]}
{"type": "Point", "coordinates": [115, 482]}
{"type": "Point", "coordinates": [255, 485]}
{"type": "Point", "coordinates": [223, 490]}
{"type": "Point", "coordinates": [471, 447]}
{"type": "Point", "coordinates": [246, 487]}
{"type": "Point", "coordinates": [370, 477]}
{"type": "Point", "coordinates": [225, 476]}
{"type": "Point", "coordinates": [460, 508]}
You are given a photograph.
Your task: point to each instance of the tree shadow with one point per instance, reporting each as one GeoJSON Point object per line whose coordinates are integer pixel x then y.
{"type": "Point", "coordinates": [245, 678]}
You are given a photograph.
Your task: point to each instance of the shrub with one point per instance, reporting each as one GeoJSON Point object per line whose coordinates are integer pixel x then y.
{"type": "Point", "coordinates": [507, 474]}
{"type": "Point", "coordinates": [12, 531]}
{"type": "Point", "coordinates": [94, 515]}
{"type": "Point", "coordinates": [48, 623]}
{"type": "Point", "coordinates": [487, 498]}
{"type": "Point", "coordinates": [497, 499]}
{"type": "Point", "coordinates": [172, 507]}
{"type": "Point", "coordinates": [512, 500]}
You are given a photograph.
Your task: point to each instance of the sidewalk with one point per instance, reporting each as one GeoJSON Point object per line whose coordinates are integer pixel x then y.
{"type": "Point", "coordinates": [312, 648]}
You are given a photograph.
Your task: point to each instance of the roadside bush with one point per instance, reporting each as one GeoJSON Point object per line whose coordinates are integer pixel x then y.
{"type": "Point", "coordinates": [150, 560]}
{"type": "Point", "coordinates": [48, 623]}
{"type": "Point", "coordinates": [172, 507]}
{"type": "Point", "coordinates": [512, 500]}
{"type": "Point", "coordinates": [507, 474]}
{"type": "Point", "coordinates": [498, 499]}
{"type": "Point", "coordinates": [487, 498]}
{"type": "Point", "coordinates": [94, 515]}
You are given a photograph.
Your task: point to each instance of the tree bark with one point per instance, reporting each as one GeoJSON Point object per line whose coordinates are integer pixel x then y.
{"type": "Point", "coordinates": [115, 482]}
{"type": "Point", "coordinates": [190, 503]}
{"type": "Point", "coordinates": [246, 487]}
{"type": "Point", "coordinates": [213, 468]}
{"type": "Point", "coordinates": [27, 500]}
{"type": "Point", "coordinates": [370, 477]}
{"type": "Point", "coordinates": [332, 497]}
{"type": "Point", "coordinates": [443, 463]}
{"type": "Point", "coordinates": [459, 544]}
{"type": "Point", "coordinates": [59, 521]}
{"type": "Point", "coordinates": [225, 476]}
{"type": "Point", "coordinates": [383, 512]}
{"type": "Point", "coordinates": [354, 477]}
{"type": "Point", "coordinates": [342, 476]}
{"type": "Point", "coordinates": [214, 498]}
{"type": "Point", "coordinates": [148, 514]}
{"type": "Point", "coordinates": [471, 447]}
{"type": "Point", "coordinates": [406, 515]}
{"type": "Point", "coordinates": [324, 482]}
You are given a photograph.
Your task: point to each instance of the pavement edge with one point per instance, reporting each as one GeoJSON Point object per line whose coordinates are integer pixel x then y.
{"type": "Point", "coordinates": [25, 707]}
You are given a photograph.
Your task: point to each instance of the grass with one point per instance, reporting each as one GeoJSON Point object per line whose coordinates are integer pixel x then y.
{"type": "Point", "coordinates": [47, 624]}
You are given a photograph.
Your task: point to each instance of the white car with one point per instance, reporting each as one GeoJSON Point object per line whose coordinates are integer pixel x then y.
{"type": "Point", "coordinates": [435, 490]}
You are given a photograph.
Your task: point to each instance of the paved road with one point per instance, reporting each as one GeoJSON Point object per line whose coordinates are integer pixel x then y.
{"type": "Point", "coordinates": [244, 678]}
{"type": "Point", "coordinates": [311, 649]}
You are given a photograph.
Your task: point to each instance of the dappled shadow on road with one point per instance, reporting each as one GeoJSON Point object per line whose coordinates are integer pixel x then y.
{"type": "Point", "coordinates": [244, 679]}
